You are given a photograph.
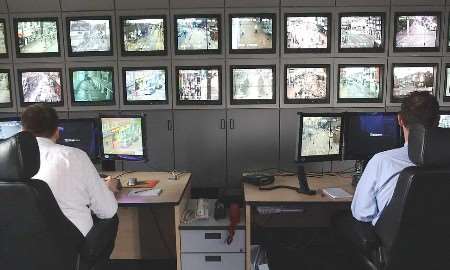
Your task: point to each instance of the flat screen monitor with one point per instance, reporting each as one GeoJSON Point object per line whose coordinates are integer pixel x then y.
{"type": "Point", "coordinates": [447, 83]}
{"type": "Point", "coordinates": [360, 83]}
{"type": "Point", "coordinates": [40, 86]}
{"type": "Point", "coordinates": [81, 134]}
{"type": "Point", "coordinates": [199, 34]}
{"type": "Point", "coordinates": [253, 85]}
{"type": "Point", "coordinates": [253, 33]}
{"type": "Point", "coordinates": [307, 33]}
{"type": "Point", "coordinates": [367, 134]}
{"type": "Point", "coordinates": [361, 32]}
{"type": "Point", "coordinates": [92, 86]}
{"type": "Point", "coordinates": [143, 36]}
{"type": "Point", "coordinates": [9, 127]}
{"type": "Point", "coordinates": [89, 36]}
{"type": "Point", "coordinates": [5, 89]}
{"type": "Point", "coordinates": [122, 138]}
{"type": "Point", "coordinates": [307, 84]}
{"type": "Point", "coordinates": [319, 137]}
{"type": "Point", "coordinates": [3, 39]}
{"type": "Point", "coordinates": [145, 86]}
{"type": "Point", "coordinates": [199, 85]}
{"type": "Point", "coordinates": [444, 121]}
{"type": "Point", "coordinates": [37, 37]}
{"type": "Point", "coordinates": [416, 31]}
{"type": "Point", "coordinates": [408, 78]}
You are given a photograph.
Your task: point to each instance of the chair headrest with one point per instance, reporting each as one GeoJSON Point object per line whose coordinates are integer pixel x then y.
{"type": "Point", "coordinates": [19, 157]}
{"type": "Point", "coordinates": [429, 147]}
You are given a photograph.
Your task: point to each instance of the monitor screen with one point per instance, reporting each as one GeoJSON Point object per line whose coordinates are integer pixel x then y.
{"type": "Point", "coordinates": [447, 83]}
{"type": "Point", "coordinates": [361, 32]}
{"type": "Point", "coordinates": [367, 134]}
{"type": "Point", "coordinates": [410, 78]}
{"type": "Point", "coordinates": [416, 32]}
{"type": "Point", "coordinates": [92, 86]}
{"type": "Point", "coordinates": [360, 83]}
{"type": "Point", "coordinates": [9, 127]}
{"type": "Point", "coordinates": [320, 137]}
{"type": "Point", "coordinates": [196, 34]}
{"type": "Point", "coordinates": [40, 86]}
{"type": "Point", "coordinates": [253, 34]}
{"type": "Point", "coordinates": [308, 33]}
{"type": "Point", "coordinates": [307, 84]}
{"type": "Point", "coordinates": [253, 85]}
{"type": "Point", "coordinates": [3, 46]}
{"type": "Point", "coordinates": [143, 36]}
{"type": "Point", "coordinates": [199, 85]}
{"type": "Point", "coordinates": [145, 85]}
{"type": "Point", "coordinates": [444, 121]}
{"type": "Point", "coordinates": [123, 137]}
{"type": "Point", "coordinates": [81, 134]}
{"type": "Point", "coordinates": [89, 36]}
{"type": "Point", "coordinates": [36, 37]}
{"type": "Point", "coordinates": [5, 89]}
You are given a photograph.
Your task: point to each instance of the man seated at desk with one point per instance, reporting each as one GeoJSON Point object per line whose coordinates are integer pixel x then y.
{"type": "Point", "coordinates": [377, 184]}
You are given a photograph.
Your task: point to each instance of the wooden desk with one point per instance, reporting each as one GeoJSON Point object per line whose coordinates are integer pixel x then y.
{"type": "Point", "coordinates": [142, 217]}
{"type": "Point", "coordinates": [318, 203]}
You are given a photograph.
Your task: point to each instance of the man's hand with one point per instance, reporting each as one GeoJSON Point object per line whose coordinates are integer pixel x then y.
{"type": "Point", "coordinates": [113, 184]}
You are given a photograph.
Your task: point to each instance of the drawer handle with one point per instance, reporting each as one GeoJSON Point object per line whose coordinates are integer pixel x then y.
{"type": "Point", "coordinates": [213, 258]}
{"type": "Point", "coordinates": [213, 236]}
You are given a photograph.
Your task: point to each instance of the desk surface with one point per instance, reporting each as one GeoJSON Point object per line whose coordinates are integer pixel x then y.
{"type": "Point", "coordinates": [172, 190]}
{"type": "Point", "coordinates": [255, 196]}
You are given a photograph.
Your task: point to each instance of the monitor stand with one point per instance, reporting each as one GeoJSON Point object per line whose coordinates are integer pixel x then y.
{"type": "Point", "coordinates": [108, 165]}
{"type": "Point", "coordinates": [303, 181]}
{"type": "Point", "coordinates": [360, 165]}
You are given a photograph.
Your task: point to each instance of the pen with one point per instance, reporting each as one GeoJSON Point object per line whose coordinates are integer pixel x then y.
{"type": "Point", "coordinates": [142, 190]}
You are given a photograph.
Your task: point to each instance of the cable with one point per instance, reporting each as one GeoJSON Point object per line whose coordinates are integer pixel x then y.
{"type": "Point", "coordinates": [278, 187]}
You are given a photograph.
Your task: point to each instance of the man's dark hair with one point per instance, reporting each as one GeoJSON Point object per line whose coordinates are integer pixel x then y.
{"type": "Point", "coordinates": [40, 119]}
{"type": "Point", "coordinates": [420, 108]}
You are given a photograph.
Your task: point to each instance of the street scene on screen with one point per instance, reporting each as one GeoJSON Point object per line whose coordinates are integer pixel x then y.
{"type": "Point", "coordinates": [90, 36]}
{"type": "Point", "coordinates": [306, 83]}
{"type": "Point", "coordinates": [37, 36]}
{"type": "Point", "coordinates": [251, 33]}
{"type": "Point", "coordinates": [41, 87]}
{"type": "Point", "coordinates": [252, 83]}
{"type": "Point", "coordinates": [143, 35]}
{"type": "Point", "coordinates": [144, 85]}
{"type": "Point", "coordinates": [321, 136]}
{"type": "Point", "coordinates": [307, 32]}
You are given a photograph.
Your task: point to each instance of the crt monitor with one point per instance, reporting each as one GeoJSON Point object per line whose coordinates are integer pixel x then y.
{"type": "Point", "coordinates": [367, 134]}
{"type": "Point", "coordinates": [444, 121]}
{"type": "Point", "coordinates": [9, 127]}
{"type": "Point", "coordinates": [122, 137]}
{"type": "Point", "coordinates": [81, 134]}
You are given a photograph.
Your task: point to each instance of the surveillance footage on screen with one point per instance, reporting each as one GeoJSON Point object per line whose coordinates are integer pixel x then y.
{"type": "Point", "coordinates": [360, 82]}
{"type": "Point", "coordinates": [41, 86]}
{"type": "Point", "coordinates": [143, 35]}
{"type": "Point", "coordinates": [361, 32]}
{"type": "Point", "coordinates": [198, 33]}
{"type": "Point", "coordinates": [90, 35]}
{"type": "Point", "coordinates": [444, 121]}
{"type": "Point", "coordinates": [122, 136]}
{"type": "Point", "coordinates": [248, 33]}
{"type": "Point", "coordinates": [5, 88]}
{"type": "Point", "coordinates": [92, 85]}
{"type": "Point", "coordinates": [145, 85]}
{"type": "Point", "coordinates": [252, 83]}
{"type": "Point", "coordinates": [321, 136]}
{"type": "Point", "coordinates": [9, 128]}
{"type": "Point", "coordinates": [417, 32]}
{"type": "Point", "coordinates": [307, 83]}
{"type": "Point", "coordinates": [3, 49]}
{"type": "Point", "coordinates": [447, 83]}
{"type": "Point", "coordinates": [408, 79]}
{"type": "Point", "coordinates": [40, 36]}
{"type": "Point", "coordinates": [198, 84]}
{"type": "Point", "coordinates": [307, 32]}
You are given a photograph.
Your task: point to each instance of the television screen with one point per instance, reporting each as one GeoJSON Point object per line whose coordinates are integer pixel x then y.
{"type": "Point", "coordinates": [362, 32]}
{"type": "Point", "coordinates": [143, 35]}
{"type": "Point", "coordinates": [198, 84]}
{"type": "Point", "coordinates": [3, 46]}
{"type": "Point", "coordinates": [447, 84]}
{"type": "Point", "coordinates": [40, 86]}
{"type": "Point", "coordinates": [360, 83]}
{"type": "Point", "coordinates": [416, 32]}
{"type": "Point", "coordinates": [122, 137]}
{"type": "Point", "coordinates": [92, 85]}
{"type": "Point", "coordinates": [9, 128]}
{"type": "Point", "coordinates": [253, 33]}
{"type": "Point", "coordinates": [198, 33]}
{"type": "Point", "coordinates": [5, 88]}
{"type": "Point", "coordinates": [410, 78]}
{"type": "Point", "coordinates": [444, 121]}
{"type": "Point", "coordinates": [36, 36]}
{"type": "Point", "coordinates": [308, 32]}
{"type": "Point", "coordinates": [254, 84]}
{"type": "Point", "coordinates": [307, 84]}
{"type": "Point", "coordinates": [145, 85]}
{"type": "Point", "coordinates": [79, 133]}
{"type": "Point", "coordinates": [89, 36]}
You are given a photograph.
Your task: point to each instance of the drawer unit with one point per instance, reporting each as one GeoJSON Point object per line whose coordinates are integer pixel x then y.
{"type": "Point", "coordinates": [211, 241]}
{"type": "Point", "coordinates": [213, 261]}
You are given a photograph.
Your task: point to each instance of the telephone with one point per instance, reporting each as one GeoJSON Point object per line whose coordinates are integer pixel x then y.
{"type": "Point", "coordinates": [202, 209]}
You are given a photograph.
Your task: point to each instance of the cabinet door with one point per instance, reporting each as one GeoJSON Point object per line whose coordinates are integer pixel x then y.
{"type": "Point", "coordinates": [200, 146]}
{"type": "Point", "coordinates": [253, 142]}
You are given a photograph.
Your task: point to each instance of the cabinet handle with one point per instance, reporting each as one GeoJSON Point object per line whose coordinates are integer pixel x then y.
{"type": "Point", "coordinates": [213, 236]}
{"type": "Point", "coordinates": [231, 123]}
{"type": "Point", "coordinates": [213, 258]}
{"type": "Point", "coordinates": [169, 125]}
{"type": "Point", "coordinates": [223, 124]}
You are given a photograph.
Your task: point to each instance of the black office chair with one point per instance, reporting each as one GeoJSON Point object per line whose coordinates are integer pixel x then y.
{"type": "Point", "coordinates": [34, 233]}
{"type": "Point", "coordinates": [413, 232]}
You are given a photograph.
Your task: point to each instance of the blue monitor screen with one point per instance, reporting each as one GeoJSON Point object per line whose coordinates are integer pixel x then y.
{"type": "Point", "coordinates": [9, 128]}
{"type": "Point", "coordinates": [81, 134]}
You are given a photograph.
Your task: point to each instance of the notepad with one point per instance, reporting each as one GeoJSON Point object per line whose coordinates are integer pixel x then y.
{"type": "Point", "coordinates": [146, 192]}
{"type": "Point", "coordinates": [337, 193]}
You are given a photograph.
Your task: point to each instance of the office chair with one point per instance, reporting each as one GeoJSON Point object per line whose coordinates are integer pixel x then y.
{"type": "Point", "coordinates": [413, 232]}
{"type": "Point", "coordinates": [34, 233]}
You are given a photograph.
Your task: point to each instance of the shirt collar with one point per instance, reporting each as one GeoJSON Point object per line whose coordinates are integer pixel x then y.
{"type": "Point", "coordinates": [44, 140]}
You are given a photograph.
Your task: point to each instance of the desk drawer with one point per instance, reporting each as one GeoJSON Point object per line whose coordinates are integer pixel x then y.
{"type": "Point", "coordinates": [213, 261]}
{"type": "Point", "coordinates": [211, 241]}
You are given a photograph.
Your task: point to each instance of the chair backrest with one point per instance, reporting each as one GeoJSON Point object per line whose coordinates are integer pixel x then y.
{"type": "Point", "coordinates": [34, 233]}
{"type": "Point", "coordinates": [414, 228]}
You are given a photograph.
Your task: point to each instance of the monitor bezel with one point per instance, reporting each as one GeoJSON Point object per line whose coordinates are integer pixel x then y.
{"type": "Point", "coordinates": [91, 103]}
{"type": "Point", "coordinates": [71, 53]}
{"type": "Point", "coordinates": [417, 49]}
{"type": "Point", "coordinates": [272, 16]}
{"type": "Point", "coordinates": [124, 52]}
{"type": "Point", "coordinates": [446, 98]}
{"type": "Point", "coordinates": [200, 51]}
{"type": "Point", "coordinates": [325, 100]}
{"type": "Point", "coordinates": [6, 55]}
{"type": "Point", "coordinates": [273, 100]}
{"type": "Point", "coordinates": [197, 102]}
{"type": "Point", "coordinates": [379, 99]}
{"type": "Point", "coordinates": [318, 158]}
{"type": "Point", "coordinates": [9, 104]}
{"type": "Point", "coordinates": [96, 125]}
{"type": "Point", "coordinates": [144, 102]}
{"type": "Point", "coordinates": [35, 19]}
{"type": "Point", "coordinates": [142, 157]}
{"type": "Point", "coordinates": [329, 17]}
{"type": "Point", "coordinates": [20, 90]}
